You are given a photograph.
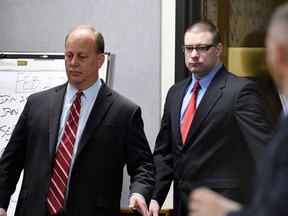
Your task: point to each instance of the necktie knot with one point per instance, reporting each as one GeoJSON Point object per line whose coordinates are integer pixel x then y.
{"type": "Point", "coordinates": [196, 86]}
{"type": "Point", "coordinates": [78, 95]}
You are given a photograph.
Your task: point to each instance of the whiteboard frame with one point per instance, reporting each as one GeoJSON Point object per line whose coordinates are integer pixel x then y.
{"type": "Point", "coordinates": [107, 73]}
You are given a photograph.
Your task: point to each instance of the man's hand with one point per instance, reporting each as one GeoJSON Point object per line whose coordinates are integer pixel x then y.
{"type": "Point", "coordinates": [3, 212]}
{"type": "Point", "coordinates": [154, 209]}
{"type": "Point", "coordinates": [205, 202]}
{"type": "Point", "coordinates": [137, 202]}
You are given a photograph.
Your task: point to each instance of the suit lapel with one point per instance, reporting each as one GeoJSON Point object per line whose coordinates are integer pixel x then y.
{"type": "Point", "coordinates": [210, 98]}
{"type": "Point", "coordinates": [176, 110]}
{"type": "Point", "coordinates": [100, 108]}
{"type": "Point", "coordinates": [55, 109]}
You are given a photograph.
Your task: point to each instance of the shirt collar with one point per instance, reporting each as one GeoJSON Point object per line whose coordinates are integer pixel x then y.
{"type": "Point", "coordinates": [205, 81]}
{"type": "Point", "coordinates": [284, 100]}
{"type": "Point", "coordinates": [89, 93]}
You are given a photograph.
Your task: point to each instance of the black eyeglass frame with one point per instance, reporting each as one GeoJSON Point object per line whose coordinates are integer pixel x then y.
{"type": "Point", "coordinates": [201, 48]}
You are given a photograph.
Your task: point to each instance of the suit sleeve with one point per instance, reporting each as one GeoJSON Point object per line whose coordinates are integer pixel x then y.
{"type": "Point", "coordinates": [140, 163]}
{"type": "Point", "coordinates": [252, 120]}
{"type": "Point", "coordinates": [163, 156]}
{"type": "Point", "coordinates": [12, 161]}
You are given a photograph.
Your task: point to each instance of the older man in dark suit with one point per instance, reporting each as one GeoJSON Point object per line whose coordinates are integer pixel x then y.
{"type": "Point", "coordinates": [223, 146]}
{"type": "Point", "coordinates": [75, 167]}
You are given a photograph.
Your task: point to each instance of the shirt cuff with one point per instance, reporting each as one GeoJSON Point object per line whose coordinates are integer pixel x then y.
{"type": "Point", "coordinates": [155, 201]}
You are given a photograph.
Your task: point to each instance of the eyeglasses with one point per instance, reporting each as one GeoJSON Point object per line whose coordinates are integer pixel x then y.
{"type": "Point", "coordinates": [203, 48]}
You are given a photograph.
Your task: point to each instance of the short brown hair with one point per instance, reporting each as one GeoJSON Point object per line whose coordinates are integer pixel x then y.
{"type": "Point", "coordinates": [204, 25]}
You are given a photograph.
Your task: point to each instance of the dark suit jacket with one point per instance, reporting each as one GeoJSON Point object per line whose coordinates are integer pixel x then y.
{"type": "Point", "coordinates": [113, 136]}
{"type": "Point", "coordinates": [272, 103]}
{"type": "Point", "coordinates": [271, 191]}
{"type": "Point", "coordinates": [223, 148]}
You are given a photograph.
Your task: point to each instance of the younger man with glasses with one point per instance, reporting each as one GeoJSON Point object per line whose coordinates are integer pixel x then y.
{"type": "Point", "coordinates": [228, 133]}
{"type": "Point", "coordinates": [271, 189]}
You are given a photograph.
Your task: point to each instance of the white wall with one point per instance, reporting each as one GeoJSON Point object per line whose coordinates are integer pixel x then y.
{"type": "Point", "coordinates": [167, 61]}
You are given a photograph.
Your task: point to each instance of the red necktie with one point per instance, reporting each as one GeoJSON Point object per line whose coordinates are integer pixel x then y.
{"type": "Point", "coordinates": [63, 158]}
{"type": "Point", "coordinates": [190, 112]}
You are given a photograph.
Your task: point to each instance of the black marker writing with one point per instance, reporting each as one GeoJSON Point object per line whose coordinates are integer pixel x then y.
{"type": "Point", "coordinates": [8, 111]}
{"type": "Point", "coordinates": [7, 99]}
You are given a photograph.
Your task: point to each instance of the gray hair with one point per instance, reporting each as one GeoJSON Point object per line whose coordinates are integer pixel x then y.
{"type": "Point", "coordinates": [278, 26]}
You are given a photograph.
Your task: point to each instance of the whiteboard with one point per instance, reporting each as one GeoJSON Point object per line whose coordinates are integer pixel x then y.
{"type": "Point", "coordinates": [22, 74]}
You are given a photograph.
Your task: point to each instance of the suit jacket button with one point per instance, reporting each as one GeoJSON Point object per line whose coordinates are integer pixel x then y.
{"type": "Point", "coordinates": [180, 181]}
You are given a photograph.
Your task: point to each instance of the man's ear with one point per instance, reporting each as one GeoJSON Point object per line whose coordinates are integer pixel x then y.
{"type": "Point", "coordinates": [281, 53]}
{"type": "Point", "coordinates": [101, 59]}
{"type": "Point", "coordinates": [219, 49]}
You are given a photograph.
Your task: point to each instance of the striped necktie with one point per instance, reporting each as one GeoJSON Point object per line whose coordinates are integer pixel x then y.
{"type": "Point", "coordinates": [63, 158]}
